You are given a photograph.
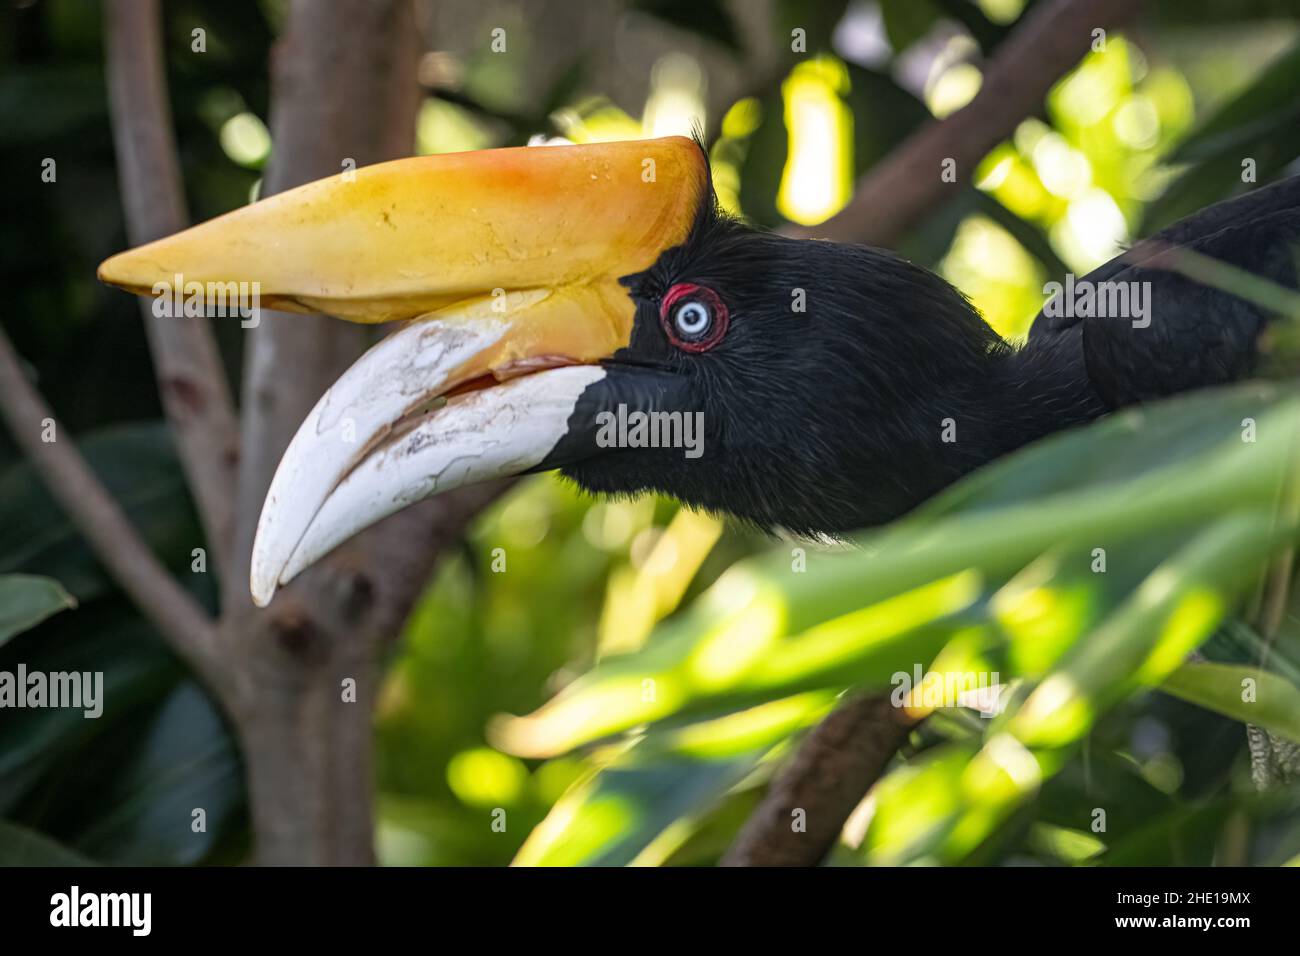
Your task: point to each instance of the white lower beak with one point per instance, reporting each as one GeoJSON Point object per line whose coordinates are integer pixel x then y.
{"type": "Point", "coordinates": [508, 264]}
{"type": "Point", "coordinates": [372, 446]}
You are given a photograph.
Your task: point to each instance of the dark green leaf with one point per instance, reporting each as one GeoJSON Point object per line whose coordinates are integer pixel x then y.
{"type": "Point", "coordinates": [138, 465]}
{"type": "Point", "coordinates": [816, 20]}
{"type": "Point", "coordinates": [38, 743]}
{"type": "Point", "coordinates": [906, 21]}
{"type": "Point", "coordinates": [187, 761]}
{"type": "Point", "coordinates": [26, 600]}
{"type": "Point", "coordinates": [1261, 124]}
{"type": "Point", "coordinates": [708, 18]}
{"type": "Point", "coordinates": [20, 846]}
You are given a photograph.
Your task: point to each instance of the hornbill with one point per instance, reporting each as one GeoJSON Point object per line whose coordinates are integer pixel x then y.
{"type": "Point", "coordinates": [545, 289]}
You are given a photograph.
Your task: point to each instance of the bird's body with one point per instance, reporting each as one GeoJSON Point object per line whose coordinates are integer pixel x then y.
{"type": "Point", "coordinates": [1200, 335]}
{"type": "Point", "coordinates": [837, 386]}
{"type": "Point", "coordinates": [891, 386]}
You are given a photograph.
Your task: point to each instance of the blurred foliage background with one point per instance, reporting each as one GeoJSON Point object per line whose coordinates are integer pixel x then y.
{"type": "Point", "coordinates": [612, 769]}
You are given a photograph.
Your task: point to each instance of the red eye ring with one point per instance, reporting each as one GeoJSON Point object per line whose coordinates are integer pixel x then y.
{"type": "Point", "coordinates": [706, 297]}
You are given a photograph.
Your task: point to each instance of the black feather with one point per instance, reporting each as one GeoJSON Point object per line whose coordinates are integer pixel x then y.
{"type": "Point", "coordinates": [839, 417]}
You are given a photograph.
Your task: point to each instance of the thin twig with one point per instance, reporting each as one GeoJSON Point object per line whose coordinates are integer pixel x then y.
{"type": "Point", "coordinates": [191, 382]}
{"type": "Point", "coordinates": [98, 516]}
{"type": "Point", "coordinates": [844, 755]}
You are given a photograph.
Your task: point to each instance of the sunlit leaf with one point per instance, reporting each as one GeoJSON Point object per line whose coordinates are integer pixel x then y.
{"type": "Point", "coordinates": [1248, 694]}
{"type": "Point", "coordinates": [645, 801]}
{"type": "Point", "coordinates": [856, 618]}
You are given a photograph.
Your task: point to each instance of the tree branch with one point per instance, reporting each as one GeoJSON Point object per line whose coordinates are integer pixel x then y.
{"type": "Point", "coordinates": [903, 188]}
{"type": "Point", "coordinates": [191, 382]}
{"type": "Point", "coordinates": [99, 517]}
{"type": "Point", "coordinates": [834, 766]}
{"type": "Point", "coordinates": [843, 756]}
{"type": "Point", "coordinates": [343, 88]}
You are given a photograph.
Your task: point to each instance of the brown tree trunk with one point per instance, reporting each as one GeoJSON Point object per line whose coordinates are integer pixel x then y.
{"type": "Point", "coordinates": [344, 94]}
{"type": "Point", "coordinates": [308, 675]}
{"type": "Point", "coordinates": [306, 740]}
{"type": "Point", "coordinates": [298, 679]}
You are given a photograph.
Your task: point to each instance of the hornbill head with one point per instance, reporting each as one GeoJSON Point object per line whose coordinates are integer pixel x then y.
{"type": "Point", "coordinates": [551, 294]}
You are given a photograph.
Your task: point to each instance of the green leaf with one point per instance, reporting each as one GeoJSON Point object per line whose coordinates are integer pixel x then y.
{"type": "Point", "coordinates": [906, 21]}
{"type": "Point", "coordinates": [1117, 450]}
{"type": "Point", "coordinates": [855, 619]}
{"type": "Point", "coordinates": [763, 165]}
{"type": "Point", "coordinates": [946, 581]}
{"type": "Point", "coordinates": [21, 846]}
{"type": "Point", "coordinates": [1275, 704]}
{"type": "Point", "coordinates": [988, 34]}
{"type": "Point", "coordinates": [917, 806]}
{"type": "Point", "coordinates": [1262, 123]}
{"type": "Point", "coordinates": [1200, 13]}
{"type": "Point", "coordinates": [138, 465]}
{"type": "Point", "coordinates": [1182, 836]}
{"type": "Point", "coordinates": [187, 760]}
{"type": "Point", "coordinates": [883, 115]}
{"type": "Point", "coordinates": [1028, 234]}
{"type": "Point", "coordinates": [646, 801]}
{"type": "Point", "coordinates": [707, 18]}
{"type": "Point", "coordinates": [1177, 607]}
{"type": "Point", "coordinates": [26, 600]}
{"type": "Point", "coordinates": [1266, 105]}
{"type": "Point", "coordinates": [614, 816]}
{"type": "Point", "coordinates": [1071, 797]}
{"type": "Point", "coordinates": [1136, 646]}
{"type": "Point", "coordinates": [817, 20]}
{"type": "Point", "coordinates": [39, 747]}
{"type": "Point", "coordinates": [71, 96]}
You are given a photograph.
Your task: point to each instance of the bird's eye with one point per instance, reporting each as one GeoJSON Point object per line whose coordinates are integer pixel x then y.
{"type": "Point", "coordinates": [693, 317]}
